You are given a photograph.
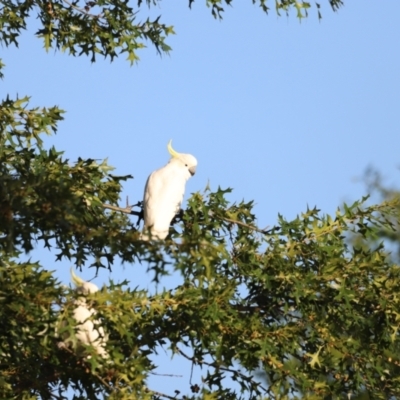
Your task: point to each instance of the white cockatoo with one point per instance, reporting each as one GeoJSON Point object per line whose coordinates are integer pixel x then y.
{"type": "Point", "coordinates": [89, 331]}
{"type": "Point", "coordinates": [163, 193]}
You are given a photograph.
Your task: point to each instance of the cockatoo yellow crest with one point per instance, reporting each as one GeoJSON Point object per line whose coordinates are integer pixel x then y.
{"type": "Point", "coordinates": [163, 193]}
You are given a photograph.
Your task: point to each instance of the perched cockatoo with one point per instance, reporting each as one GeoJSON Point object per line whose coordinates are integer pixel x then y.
{"type": "Point", "coordinates": [163, 193]}
{"type": "Point", "coordinates": [89, 331]}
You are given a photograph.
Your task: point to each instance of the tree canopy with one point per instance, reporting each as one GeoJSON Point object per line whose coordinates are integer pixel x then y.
{"type": "Point", "coordinates": [299, 310]}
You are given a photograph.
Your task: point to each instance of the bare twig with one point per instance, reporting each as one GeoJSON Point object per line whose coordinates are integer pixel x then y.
{"type": "Point", "coordinates": [191, 373]}
{"type": "Point", "coordinates": [232, 371]}
{"type": "Point", "coordinates": [161, 394]}
{"type": "Point", "coordinates": [171, 375]}
{"type": "Point", "coordinates": [83, 11]}
{"type": "Point", "coordinates": [127, 209]}
{"type": "Point", "coordinates": [112, 388]}
{"type": "Point", "coordinates": [252, 227]}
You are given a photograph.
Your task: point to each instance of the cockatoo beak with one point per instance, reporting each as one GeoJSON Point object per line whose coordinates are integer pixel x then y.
{"type": "Point", "coordinates": [192, 170]}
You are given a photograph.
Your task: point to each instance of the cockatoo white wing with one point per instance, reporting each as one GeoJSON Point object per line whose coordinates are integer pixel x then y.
{"type": "Point", "coordinates": [89, 331]}
{"type": "Point", "coordinates": [162, 199]}
{"type": "Point", "coordinates": [163, 193]}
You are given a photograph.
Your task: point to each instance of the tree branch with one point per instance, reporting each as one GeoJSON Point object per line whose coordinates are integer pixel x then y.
{"type": "Point", "coordinates": [202, 362]}
{"type": "Point", "coordinates": [252, 227]}
{"type": "Point", "coordinates": [127, 209]}
{"type": "Point", "coordinates": [83, 11]}
{"type": "Point", "coordinates": [161, 394]}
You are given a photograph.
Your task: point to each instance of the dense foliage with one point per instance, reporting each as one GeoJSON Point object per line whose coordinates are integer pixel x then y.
{"type": "Point", "coordinates": [381, 191]}
{"type": "Point", "coordinates": [300, 310]}
{"type": "Point", "coordinates": [317, 315]}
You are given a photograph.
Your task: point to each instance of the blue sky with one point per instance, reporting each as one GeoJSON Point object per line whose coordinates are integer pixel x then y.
{"type": "Point", "coordinates": [288, 114]}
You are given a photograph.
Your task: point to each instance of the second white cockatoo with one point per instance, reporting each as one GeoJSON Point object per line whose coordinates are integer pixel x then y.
{"type": "Point", "coordinates": [89, 331]}
{"type": "Point", "coordinates": [163, 193]}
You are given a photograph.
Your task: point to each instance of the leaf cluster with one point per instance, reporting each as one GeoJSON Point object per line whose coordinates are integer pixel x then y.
{"type": "Point", "coordinates": [390, 235]}
{"type": "Point", "coordinates": [300, 7]}
{"type": "Point", "coordinates": [109, 27]}
{"type": "Point", "coordinates": [44, 197]}
{"type": "Point", "coordinates": [318, 316]}
{"type": "Point", "coordinates": [104, 27]}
